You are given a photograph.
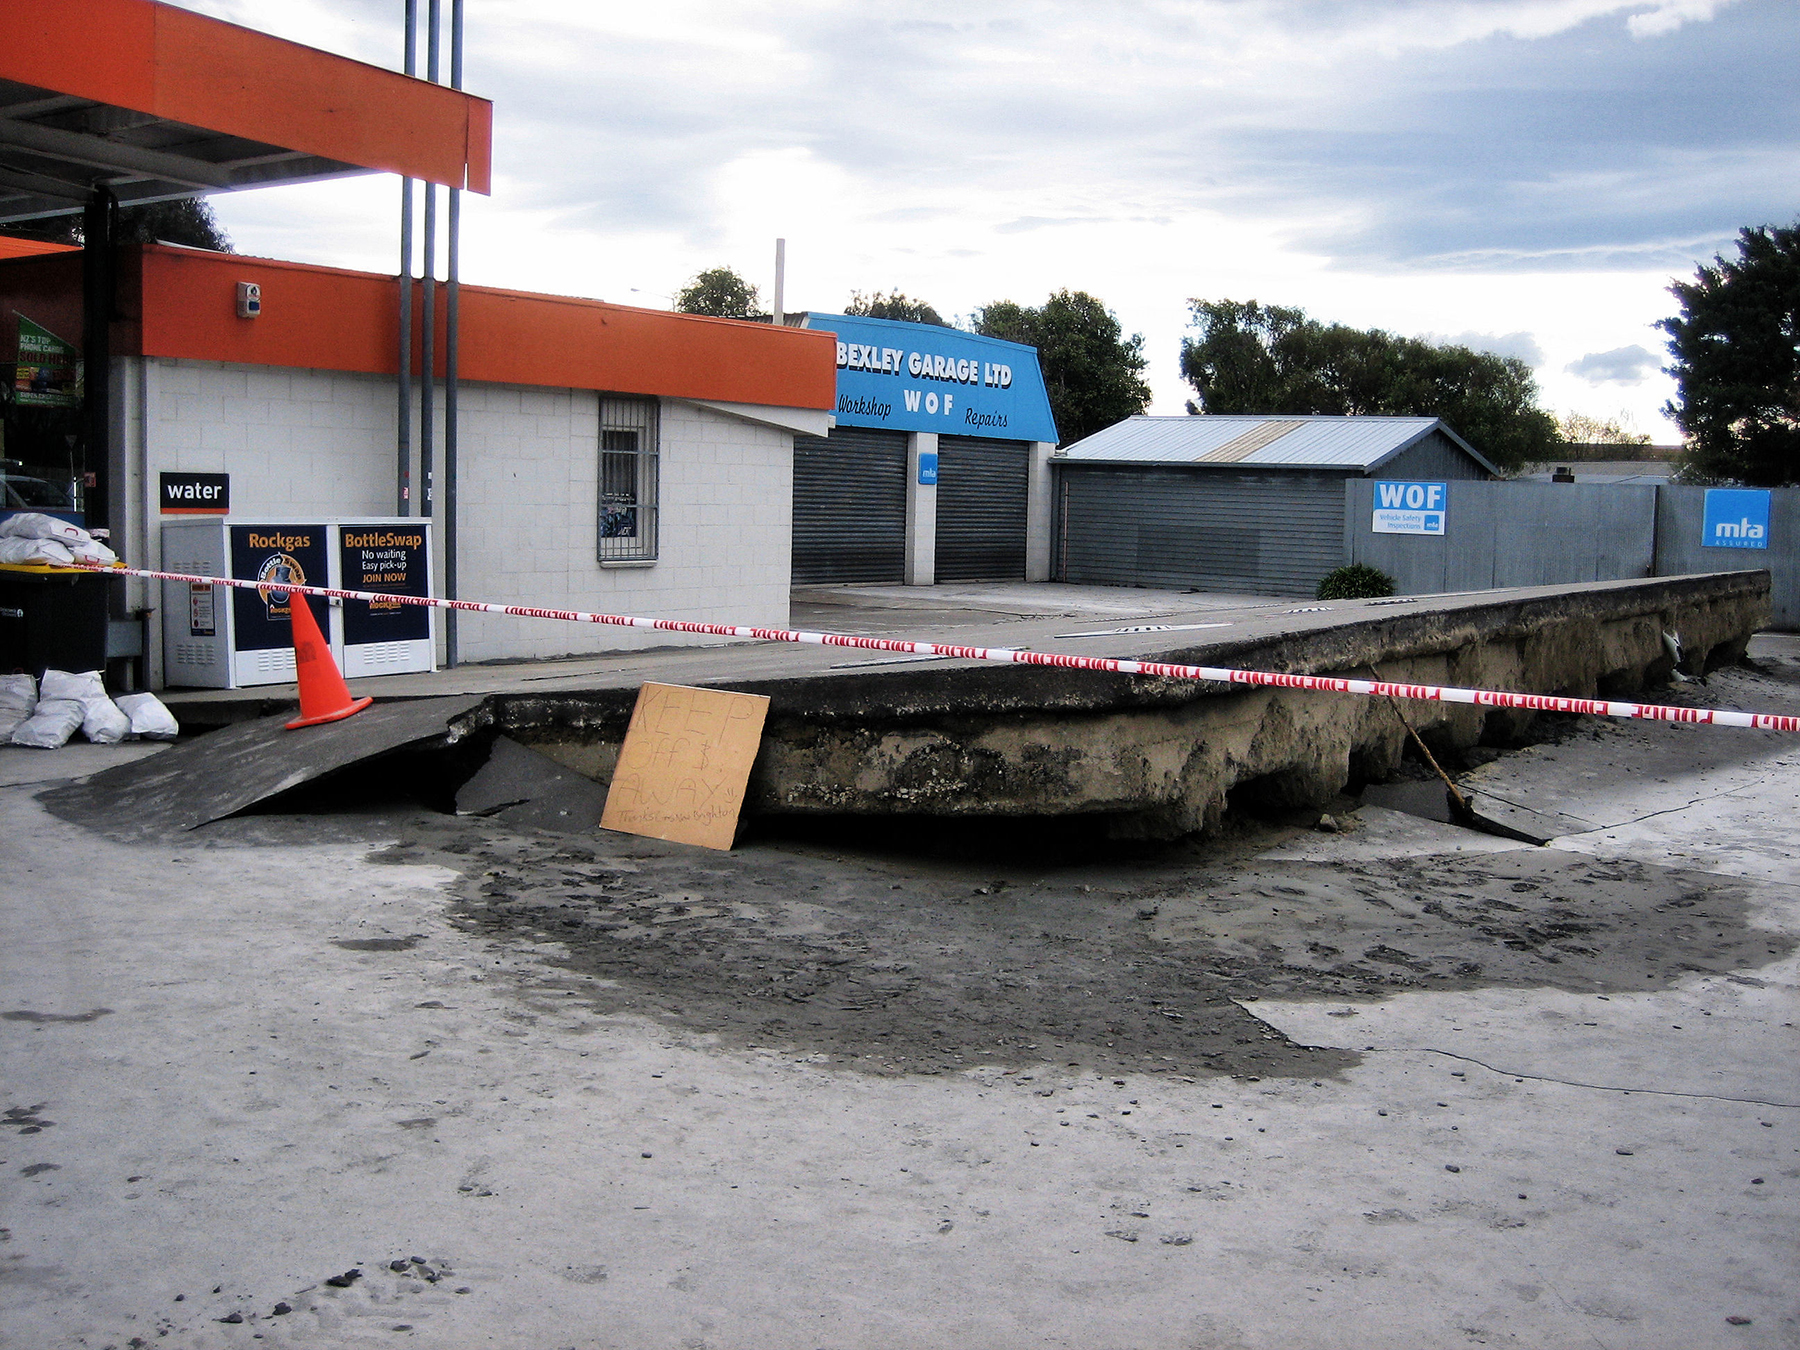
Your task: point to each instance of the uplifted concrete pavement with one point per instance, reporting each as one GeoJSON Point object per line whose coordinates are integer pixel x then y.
{"type": "Point", "coordinates": [276, 1050]}
{"type": "Point", "coordinates": [879, 735]}
{"type": "Point", "coordinates": [1116, 621]}
{"type": "Point", "coordinates": [993, 614]}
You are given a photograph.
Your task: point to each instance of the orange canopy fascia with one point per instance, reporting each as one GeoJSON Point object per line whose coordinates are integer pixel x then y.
{"type": "Point", "coordinates": [11, 246]}
{"type": "Point", "coordinates": [169, 63]}
{"type": "Point", "coordinates": [182, 303]}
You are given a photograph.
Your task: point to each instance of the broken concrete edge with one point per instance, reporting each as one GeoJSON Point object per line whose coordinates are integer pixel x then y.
{"type": "Point", "coordinates": [247, 765]}
{"type": "Point", "coordinates": [983, 688]}
{"type": "Point", "coordinates": [1147, 756]}
{"type": "Point", "coordinates": [1351, 647]}
{"type": "Point", "coordinates": [1161, 757]}
{"type": "Point", "coordinates": [201, 715]}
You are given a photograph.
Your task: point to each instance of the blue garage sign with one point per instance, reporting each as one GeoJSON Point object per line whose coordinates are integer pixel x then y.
{"type": "Point", "coordinates": [927, 468]}
{"type": "Point", "coordinates": [1736, 518]}
{"type": "Point", "coordinates": [919, 377]}
{"type": "Point", "coordinates": [1411, 508]}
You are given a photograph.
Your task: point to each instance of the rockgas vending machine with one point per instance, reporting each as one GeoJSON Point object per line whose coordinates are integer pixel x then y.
{"type": "Point", "coordinates": [227, 637]}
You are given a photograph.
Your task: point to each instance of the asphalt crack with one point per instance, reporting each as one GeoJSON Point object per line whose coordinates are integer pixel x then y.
{"type": "Point", "coordinates": [1577, 1083]}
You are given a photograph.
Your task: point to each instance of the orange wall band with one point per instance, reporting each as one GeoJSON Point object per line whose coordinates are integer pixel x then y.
{"type": "Point", "coordinates": [11, 246]}
{"type": "Point", "coordinates": [169, 62]}
{"type": "Point", "coordinates": [177, 302]}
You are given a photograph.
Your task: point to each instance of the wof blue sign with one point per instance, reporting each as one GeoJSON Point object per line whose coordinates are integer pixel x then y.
{"type": "Point", "coordinates": [1410, 508]}
{"type": "Point", "coordinates": [919, 377]}
{"type": "Point", "coordinates": [1736, 518]}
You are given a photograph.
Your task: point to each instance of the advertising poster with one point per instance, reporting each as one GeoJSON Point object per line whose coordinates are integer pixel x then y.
{"type": "Point", "coordinates": [49, 370]}
{"type": "Point", "coordinates": [275, 556]}
{"type": "Point", "coordinates": [388, 558]}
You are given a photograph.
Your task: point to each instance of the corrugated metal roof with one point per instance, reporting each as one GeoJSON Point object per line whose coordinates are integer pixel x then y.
{"type": "Point", "coordinates": [1279, 442]}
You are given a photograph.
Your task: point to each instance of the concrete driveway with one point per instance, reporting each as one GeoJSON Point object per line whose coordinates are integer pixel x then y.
{"type": "Point", "coordinates": [385, 1078]}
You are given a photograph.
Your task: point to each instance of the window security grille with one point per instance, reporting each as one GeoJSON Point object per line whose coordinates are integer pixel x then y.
{"type": "Point", "coordinates": [628, 480]}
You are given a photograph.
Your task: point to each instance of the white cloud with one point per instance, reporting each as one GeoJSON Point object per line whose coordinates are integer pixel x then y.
{"type": "Point", "coordinates": [1472, 166]}
{"type": "Point", "coordinates": [1621, 365]}
{"type": "Point", "coordinates": [1521, 344]}
{"type": "Point", "coordinates": [1669, 15]}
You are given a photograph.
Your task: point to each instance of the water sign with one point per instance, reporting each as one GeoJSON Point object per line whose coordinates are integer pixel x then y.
{"type": "Point", "coordinates": [1411, 508]}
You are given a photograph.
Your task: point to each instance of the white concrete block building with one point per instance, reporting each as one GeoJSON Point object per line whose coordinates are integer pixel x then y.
{"type": "Point", "coordinates": [610, 458]}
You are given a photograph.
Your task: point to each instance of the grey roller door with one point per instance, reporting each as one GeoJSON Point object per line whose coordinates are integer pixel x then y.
{"type": "Point", "coordinates": [981, 497]}
{"type": "Point", "coordinates": [1255, 533]}
{"type": "Point", "coordinates": [850, 506]}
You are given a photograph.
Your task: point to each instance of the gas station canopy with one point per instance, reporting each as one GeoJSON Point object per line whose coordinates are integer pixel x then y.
{"type": "Point", "coordinates": [153, 102]}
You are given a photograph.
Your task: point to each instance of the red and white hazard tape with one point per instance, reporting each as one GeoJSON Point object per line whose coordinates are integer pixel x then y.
{"type": "Point", "coordinates": [1329, 684]}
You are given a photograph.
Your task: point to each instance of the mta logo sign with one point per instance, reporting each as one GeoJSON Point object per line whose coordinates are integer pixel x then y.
{"type": "Point", "coordinates": [1736, 518]}
{"type": "Point", "coordinates": [1411, 508]}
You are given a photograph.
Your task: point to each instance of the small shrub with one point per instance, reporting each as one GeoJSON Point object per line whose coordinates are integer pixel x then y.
{"type": "Point", "coordinates": [1358, 581]}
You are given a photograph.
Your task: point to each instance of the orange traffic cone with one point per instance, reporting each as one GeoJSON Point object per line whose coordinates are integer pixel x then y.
{"type": "Point", "coordinates": [323, 695]}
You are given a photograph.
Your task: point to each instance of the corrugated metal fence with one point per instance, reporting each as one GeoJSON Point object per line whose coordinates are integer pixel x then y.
{"type": "Point", "coordinates": [1542, 534]}
{"type": "Point", "coordinates": [1265, 533]}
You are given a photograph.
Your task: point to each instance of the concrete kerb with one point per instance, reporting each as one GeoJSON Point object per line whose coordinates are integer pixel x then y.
{"type": "Point", "coordinates": [1161, 757]}
{"type": "Point", "coordinates": [1150, 756]}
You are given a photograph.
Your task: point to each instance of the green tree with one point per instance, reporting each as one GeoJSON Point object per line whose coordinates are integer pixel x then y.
{"type": "Point", "coordinates": [1578, 428]}
{"type": "Point", "coordinates": [187, 220]}
{"type": "Point", "coordinates": [1250, 358]}
{"type": "Point", "coordinates": [1736, 345]}
{"type": "Point", "coordinates": [893, 305]}
{"type": "Point", "coordinates": [1092, 371]}
{"type": "Point", "coordinates": [720, 293]}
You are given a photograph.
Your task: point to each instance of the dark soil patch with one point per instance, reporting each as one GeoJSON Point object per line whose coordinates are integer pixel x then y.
{"type": "Point", "coordinates": [1534, 917]}
{"type": "Point", "coordinates": [890, 964]}
{"type": "Point", "coordinates": [388, 944]}
{"type": "Point", "coordinates": [885, 968]}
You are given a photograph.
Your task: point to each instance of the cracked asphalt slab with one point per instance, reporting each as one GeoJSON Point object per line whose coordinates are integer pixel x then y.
{"type": "Point", "coordinates": [1397, 1086]}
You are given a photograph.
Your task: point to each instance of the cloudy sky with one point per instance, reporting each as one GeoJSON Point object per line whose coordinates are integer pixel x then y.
{"type": "Point", "coordinates": [1520, 175]}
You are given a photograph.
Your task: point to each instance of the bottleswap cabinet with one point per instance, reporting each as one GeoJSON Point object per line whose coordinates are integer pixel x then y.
{"type": "Point", "coordinates": [229, 637]}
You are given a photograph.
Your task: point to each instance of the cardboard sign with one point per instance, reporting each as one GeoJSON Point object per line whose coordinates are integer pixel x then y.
{"type": "Point", "coordinates": [685, 764]}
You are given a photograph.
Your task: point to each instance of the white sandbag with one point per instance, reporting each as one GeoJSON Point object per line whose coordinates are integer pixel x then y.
{"type": "Point", "coordinates": [93, 551]}
{"type": "Point", "coordinates": [37, 525]}
{"type": "Point", "coordinates": [150, 718]}
{"type": "Point", "coordinates": [78, 685]}
{"type": "Point", "coordinates": [35, 551]}
{"type": "Point", "coordinates": [101, 721]}
{"type": "Point", "coordinates": [18, 697]}
{"type": "Point", "coordinates": [51, 723]}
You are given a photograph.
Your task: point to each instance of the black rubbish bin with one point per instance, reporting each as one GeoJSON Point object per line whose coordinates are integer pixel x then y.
{"type": "Point", "coordinates": [52, 620]}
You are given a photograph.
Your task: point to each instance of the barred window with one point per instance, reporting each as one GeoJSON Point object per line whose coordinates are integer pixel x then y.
{"type": "Point", "coordinates": [628, 480]}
